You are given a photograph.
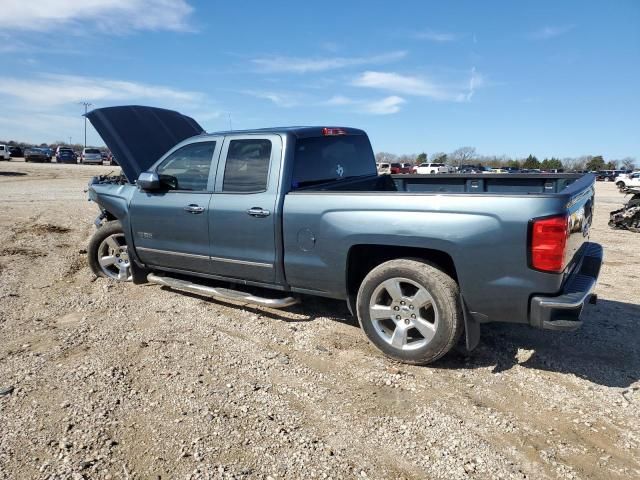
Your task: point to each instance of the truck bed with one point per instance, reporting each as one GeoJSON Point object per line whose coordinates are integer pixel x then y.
{"type": "Point", "coordinates": [499, 183]}
{"type": "Point", "coordinates": [486, 238]}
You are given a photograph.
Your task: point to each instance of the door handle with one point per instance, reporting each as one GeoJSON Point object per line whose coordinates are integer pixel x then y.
{"type": "Point", "coordinates": [193, 208]}
{"type": "Point", "coordinates": [258, 212]}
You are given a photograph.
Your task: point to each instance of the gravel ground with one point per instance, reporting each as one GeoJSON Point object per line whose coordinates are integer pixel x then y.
{"type": "Point", "coordinates": [123, 381]}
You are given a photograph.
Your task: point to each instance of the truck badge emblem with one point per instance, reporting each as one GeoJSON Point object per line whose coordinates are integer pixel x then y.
{"type": "Point", "coordinates": [340, 170]}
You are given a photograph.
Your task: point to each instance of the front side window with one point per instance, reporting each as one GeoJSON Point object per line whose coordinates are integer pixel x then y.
{"type": "Point", "coordinates": [188, 167]}
{"type": "Point", "coordinates": [247, 166]}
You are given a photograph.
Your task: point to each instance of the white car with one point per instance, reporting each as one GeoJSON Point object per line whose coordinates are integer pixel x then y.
{"type": "Point", "coordinates": [428, 168]}
{"type": "Point", "coordinates": [4, 153]}
{"type": "Point", "coordinates": [628, 180]}
{"type": "Point", "coordinates": [384, 168]}
{"type": "Point", "coordinates": [91, 155]}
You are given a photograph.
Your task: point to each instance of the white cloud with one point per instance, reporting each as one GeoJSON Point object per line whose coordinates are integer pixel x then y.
{"type": "Point", "coordinates": [108, 15]}
{"type": "Point", "coordinates": [50, 90]}
{"type": "Point", "coordinates": [305, 65]}
{"type": "Point", "coordinates": [385, 106]}
{"type": "Point", "coordinates": [549, 32]}
{"type": "Point", "coordinates": [45, 108]}
{"type": "Point", "coordinates": [280, 99]}
{"type": "Point", "coordinates": [420, 86]}
{"type": "Point", "coordinates": [475, 81]}
{"type": "Point", "coordinates": [439, 37]}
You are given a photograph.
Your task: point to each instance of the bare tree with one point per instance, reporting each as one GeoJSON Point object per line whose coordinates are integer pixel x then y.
{"type": "Point", "coordinates": [628, 163]}
{"type": "Point", "coordinates": [385, 157]}
{"type": "Point", "coordinates": [572, 163]}
{"type": "Point", "coordinates": [463, 155]}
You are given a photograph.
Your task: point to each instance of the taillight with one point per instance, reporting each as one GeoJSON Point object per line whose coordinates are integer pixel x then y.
{"type": "Point", "coordinates": [333, 131]}
{"type": "Point", "coordinates": [548, 243]}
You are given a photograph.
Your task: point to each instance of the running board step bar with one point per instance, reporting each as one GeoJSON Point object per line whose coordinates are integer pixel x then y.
{"type": "Point", "coordinates": [222, 293]}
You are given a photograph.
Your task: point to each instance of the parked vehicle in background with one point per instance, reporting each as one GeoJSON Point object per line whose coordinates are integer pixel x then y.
{"type": "Point", "coordinates": [383, 168]}
{"type": "Point", "coordinates": [36, 154]}
{"type": "Point", "coordinates": [400, 168]}
{"type": "Point", "coordinates": [430, 168]}
{"type": "Point", "coordinates": [91, 156]}
{"type": "Point", "coordinates": [16, 152]}
{"type": "Point", "coordinates": [628, 180]}
{"type": "Point", "coordinates": [4, 153]}
{"type": "Point", "coordinates": [112, 159]}
{"type": "Point", "coordinates": [470, 169]}
{"type": "Point", "coordinates": [302, 210]}
{"type": "Point", "coordinates": [606, 175]}
{"type": "Point", "coordinates": [65, 155]}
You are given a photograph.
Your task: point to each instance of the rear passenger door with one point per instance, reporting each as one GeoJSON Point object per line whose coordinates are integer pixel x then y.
{"type": "Point", "coordinates": [242, 217]}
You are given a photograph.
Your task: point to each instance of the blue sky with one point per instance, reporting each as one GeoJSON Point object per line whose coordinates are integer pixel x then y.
{"type": "Point", "coordinates": [544, 77]}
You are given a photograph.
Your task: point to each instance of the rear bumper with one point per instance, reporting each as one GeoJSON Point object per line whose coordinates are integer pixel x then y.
{"type": "Point", "coordinates": [562, 312]}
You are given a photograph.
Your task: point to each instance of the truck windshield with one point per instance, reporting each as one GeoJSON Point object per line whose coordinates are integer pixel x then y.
{"type": "Point", "coordinates": [323, 159]}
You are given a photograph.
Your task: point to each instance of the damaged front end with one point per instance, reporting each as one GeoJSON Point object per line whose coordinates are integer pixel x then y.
{"type": "Point", "coordinates": [627, 217]}
{"type": "Point", "coordinates": [113, 194]}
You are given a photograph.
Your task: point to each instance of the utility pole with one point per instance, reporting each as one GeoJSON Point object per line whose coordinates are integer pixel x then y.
{"type": "Point", "coordinates": [230, 124]}
{"type": "Point", "coordinates": [86, 106]}
{"type": "Point", "coordinates": [69, 141]}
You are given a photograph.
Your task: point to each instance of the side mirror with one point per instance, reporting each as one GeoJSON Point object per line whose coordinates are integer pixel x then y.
{"type": "Point", "coordinates": [148, 181]}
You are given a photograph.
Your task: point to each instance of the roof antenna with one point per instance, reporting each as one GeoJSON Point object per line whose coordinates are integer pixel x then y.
{"type": "Point", "coordinates": [230, 124]}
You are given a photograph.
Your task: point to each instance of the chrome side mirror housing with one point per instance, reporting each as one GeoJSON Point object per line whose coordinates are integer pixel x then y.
{"type": "Point", "coordinates": [148, 181]}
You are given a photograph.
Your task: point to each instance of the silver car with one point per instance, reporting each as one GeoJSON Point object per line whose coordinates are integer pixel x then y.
{"type": "Point", "coordinates": [91, 155]}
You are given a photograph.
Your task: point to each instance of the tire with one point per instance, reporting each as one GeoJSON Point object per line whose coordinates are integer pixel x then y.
{"type": "Point", "coordinates": [620, 184]}
{"type": "Point", "coordinates": [423, 288]}
{"type": "Point", "coordinates": [607, 179]}
{"type": "Point", "coordinates": [107, 253]}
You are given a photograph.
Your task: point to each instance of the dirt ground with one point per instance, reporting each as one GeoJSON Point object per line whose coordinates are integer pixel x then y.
{"type": "Point", "coordinates": [123, 381]}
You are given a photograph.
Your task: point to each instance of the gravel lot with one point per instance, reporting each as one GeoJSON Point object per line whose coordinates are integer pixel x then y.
{"type": "Point", "coordinates": [124, 381]}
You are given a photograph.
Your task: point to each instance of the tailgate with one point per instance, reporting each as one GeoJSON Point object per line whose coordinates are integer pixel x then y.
{"type": "Point", "coordinates": [580, 210]}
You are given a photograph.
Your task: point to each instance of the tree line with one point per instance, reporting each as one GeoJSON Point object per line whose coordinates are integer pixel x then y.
{"type": "Point", "coordinates": [469, 156]}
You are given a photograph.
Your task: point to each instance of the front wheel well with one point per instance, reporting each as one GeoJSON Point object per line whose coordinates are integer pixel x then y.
{"type": "Point", "coordinates": [364, 258]}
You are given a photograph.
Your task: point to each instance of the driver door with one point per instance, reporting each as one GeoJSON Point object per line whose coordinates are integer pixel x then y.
{"type": "Point", "coordinates": [170, 226]}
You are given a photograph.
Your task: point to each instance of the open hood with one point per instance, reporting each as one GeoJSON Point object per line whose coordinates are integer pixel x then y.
{"type": "Point", "coordinates": [138, 136]}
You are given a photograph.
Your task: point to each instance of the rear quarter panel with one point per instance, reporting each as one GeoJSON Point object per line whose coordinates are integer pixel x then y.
{"type": "Point", "coordinates": [485, 235]}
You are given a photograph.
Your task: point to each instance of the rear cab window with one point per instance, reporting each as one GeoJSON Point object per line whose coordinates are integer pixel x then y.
{"type": "Point", "coordinates": [327, 158]}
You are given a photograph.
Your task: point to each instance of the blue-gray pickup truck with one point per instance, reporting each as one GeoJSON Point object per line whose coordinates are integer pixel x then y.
{"type": "Point", "coordinates": [296, 211]}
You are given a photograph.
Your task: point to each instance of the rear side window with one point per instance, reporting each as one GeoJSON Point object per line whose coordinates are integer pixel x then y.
{"type": "Point", "coordinates": [247, 167]}
{"type": "Point", "coordinates": [188, 167]}
{"type": "Point", "coordinates": [327, 158]}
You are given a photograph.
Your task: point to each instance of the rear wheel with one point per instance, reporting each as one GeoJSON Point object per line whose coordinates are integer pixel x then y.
{"type": "Point", "coordinates": [108, 253]}
{"type": "Point", "coordinates": [607, 179]}
{"type": "Point", "coordinates": [410, 310]}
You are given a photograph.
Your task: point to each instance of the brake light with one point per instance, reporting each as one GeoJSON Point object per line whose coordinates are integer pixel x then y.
{"type": "Point", "coordinates": [549, 243]}
{"type": "Point", "coordinates": [327, 132]}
